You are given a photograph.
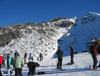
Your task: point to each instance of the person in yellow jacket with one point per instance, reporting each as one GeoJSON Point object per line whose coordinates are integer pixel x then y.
{"type": "Point", "coordinates": [19, 63]}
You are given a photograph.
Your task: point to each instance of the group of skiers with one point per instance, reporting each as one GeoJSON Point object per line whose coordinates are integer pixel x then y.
{"type": "Point", "coordinates": [16, 63]}
{"type": "Point", "coordinates": [93, 51]}
{"type": "Point", "coordinates": [60, 57]}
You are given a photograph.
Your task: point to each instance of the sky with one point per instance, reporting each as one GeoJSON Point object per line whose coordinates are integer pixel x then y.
{"type": "Point", "coordinates": [23, 11]}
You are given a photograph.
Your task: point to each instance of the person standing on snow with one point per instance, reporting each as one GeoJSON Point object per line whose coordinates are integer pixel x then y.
{"type": "Point", "coordinates": [32, 67]}
{"type": "Point", "coordinates": [1, 61]}
{"type": "Point", "coordinates": [94, 53]}
{"type": "Point", "coordinates": [18, 65]}
{"type": "Point", "coordinates": [25, 58]}
{"type": "Point", "coordinates": [60, 56]}
{"type": "Point", "coordinates": [72, 54]}
{"type": "Point", "coordinates": [4, 60]}
{"type": "Point", "coordinates": [9, 59]}
{"type": "Point", "coordinates": [41, 56]}
{"type": "Point", "coordinates": [30, 56]}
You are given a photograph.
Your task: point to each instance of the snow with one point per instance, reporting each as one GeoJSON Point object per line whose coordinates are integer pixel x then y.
{"type": "Point", "coordinates": [84, 30]}
{"type": "Point", "coordinates": [80, 68]}
{"type": "Point", "coordinates": [43, 38]}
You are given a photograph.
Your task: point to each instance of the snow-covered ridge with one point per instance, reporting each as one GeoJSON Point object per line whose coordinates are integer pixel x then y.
{"type": "Point", "coordinates": [36, 38]}
{"type": "Point", "coordinates": [84, 30]}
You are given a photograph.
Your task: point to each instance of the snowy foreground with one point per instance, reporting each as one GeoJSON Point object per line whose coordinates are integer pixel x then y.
{"type": "Point", "coordinates": [80, 68]}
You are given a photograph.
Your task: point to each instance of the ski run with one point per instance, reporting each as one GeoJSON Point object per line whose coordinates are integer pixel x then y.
{"type": "Point", "coordinates": [48, 65]}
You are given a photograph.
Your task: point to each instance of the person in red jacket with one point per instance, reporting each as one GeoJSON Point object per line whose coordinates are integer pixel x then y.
{"type": "Point", "coordinates": [94, 53]}
{"type": "Point", "coordinates": [72, 54]}
{"type": "Point", "coordinates": [1, 61]}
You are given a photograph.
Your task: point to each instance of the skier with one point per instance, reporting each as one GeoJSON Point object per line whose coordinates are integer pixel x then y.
{"type": "Point", "coordinates": [41, 56]}
{"type": "Point", "coordinates": [1, 61]}
{"type": "Point", "coordinates": [9, 63]}
{"type": "Point", "coordinates": [59, 55]}
{"type": "Point", "coordinates": [94, 53]}
{"type": "Point", "coordinates": [18, 65]}
{"type": "Point", "coordinates": [25, 57]}
{"type": "Point", "coordinates": [32, 67]}
{"type": "Point", "coordinates": [30, 56]}
{"type": "Point", "coordinates": [4, 60]}
{"type": "Point", "coordinates": [72, 54]}
{"type": "Point", "coordinates": [9, 59]}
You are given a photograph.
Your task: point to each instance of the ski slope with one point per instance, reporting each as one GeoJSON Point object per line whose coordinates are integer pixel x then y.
{"type": "Point", "coordinates": [80, 68]}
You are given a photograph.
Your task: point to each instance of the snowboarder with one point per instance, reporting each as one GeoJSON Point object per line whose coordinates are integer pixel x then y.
{"type": "Point", "coordinates": [60, 56]}
{"type": "Point", "coordinates": [41, 56]}
{"type": "Point", "coordinates": [72, 54]}
{"type": "Point", "coordinates": [1, 61]}
{"type": "Point", "coordinates": [32, 66]}
{"type": "Point", "coordinates": [94, 53]}
{"type": "Point", "coordinates": [18, 65]}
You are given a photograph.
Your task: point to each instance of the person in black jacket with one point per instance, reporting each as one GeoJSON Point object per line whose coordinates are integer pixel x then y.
{"type": "Point", "coordinates": [32, 66]}
{"type": "Point", "coordinates": [59, 55]}
{"type": "Point", "coordinates": [41, 56]}
{"type": "Point", "coordinates": [94, 54]}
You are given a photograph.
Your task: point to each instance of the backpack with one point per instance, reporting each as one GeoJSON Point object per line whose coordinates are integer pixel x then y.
{"type": "Point", "coordinates": [98, 49]}
{"type": "Point", "coordinates": [91, 49]}
{"type": "Point", "coordinates": [30, 56]}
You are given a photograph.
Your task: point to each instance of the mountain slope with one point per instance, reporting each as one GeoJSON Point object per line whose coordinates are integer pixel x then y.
{"type": "Point", "coordinates": [84, 30]}
{"type": "Point", "coordinates": [80, 68]}
{"type": "Point", "coordinates": [35, 38]}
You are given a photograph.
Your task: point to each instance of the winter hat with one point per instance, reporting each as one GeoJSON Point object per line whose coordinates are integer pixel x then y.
{"type": "Point", "coordinates": [16, 53]}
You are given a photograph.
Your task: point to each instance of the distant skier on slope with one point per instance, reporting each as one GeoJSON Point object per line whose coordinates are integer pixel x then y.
{"type": "Point", "coordinates": [72, 54]}
{"type": "Point", "coordinates": [41, 56]}
{"type": "Point", "coordinates": [25, 58]}
{"type": "Point", "coordinates": [30, 56]}
{"type": "Point", "coordinates": [60, 56]}
{"type": "Point", "coordinates": [94, 53]}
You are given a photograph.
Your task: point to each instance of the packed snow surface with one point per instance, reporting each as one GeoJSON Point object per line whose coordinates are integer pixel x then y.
{"type": "Point", "coordinates": [80, 68]}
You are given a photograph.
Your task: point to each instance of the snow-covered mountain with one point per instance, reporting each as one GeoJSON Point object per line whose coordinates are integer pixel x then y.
{"type": "Point", "coordinates": [34, 37]}
{"type": "Point", "coordinates": [85, 29]}
{"type": "Point", "coordinates": [47, 36]}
